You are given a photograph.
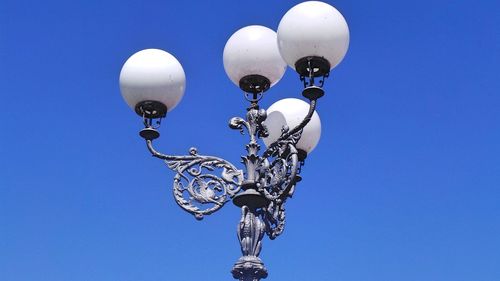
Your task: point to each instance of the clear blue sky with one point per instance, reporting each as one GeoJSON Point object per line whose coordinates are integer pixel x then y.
{"type": "Point", "coordinates": [403, 186]}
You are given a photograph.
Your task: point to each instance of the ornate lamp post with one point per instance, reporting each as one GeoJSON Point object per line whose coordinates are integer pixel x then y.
{"type": "Point", "coordinates": [312, 38]}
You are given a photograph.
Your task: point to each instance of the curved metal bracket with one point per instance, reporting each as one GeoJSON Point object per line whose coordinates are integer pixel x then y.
{"type": "Point", "coordinates": [293, 135]}
{"type": "Point", "coordinates": [197, 189]}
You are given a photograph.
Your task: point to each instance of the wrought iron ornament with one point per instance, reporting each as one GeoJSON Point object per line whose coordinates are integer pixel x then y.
{"type": "Point", "coordinates": [255, 58]}
{"type": "Point", "coordinates": [204, 184]}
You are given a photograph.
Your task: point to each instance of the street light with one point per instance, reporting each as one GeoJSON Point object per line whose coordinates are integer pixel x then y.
{"type": "Point", "coordinates": [312, 39]}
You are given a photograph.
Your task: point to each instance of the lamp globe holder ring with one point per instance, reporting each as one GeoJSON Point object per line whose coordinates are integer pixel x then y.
{"type": "Point", "coordinates": [149, 134]}
{"type": "Point", "coordinates": [312, 66]}
{"type": "Point", "coordinates": [313, 92]}
{"type": "Point", "coordinates": [254, 84]}
{"type": "Point", "coordinates": [151, 109]}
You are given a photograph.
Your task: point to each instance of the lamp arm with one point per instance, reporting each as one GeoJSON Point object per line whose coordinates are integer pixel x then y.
{"type": "Point", "coordinates": [294, 134]}
{"type": "Point", "coordinates": [165, 157]}
{"type": "Point", "coordinates": [307, 118]}
{"type": "Point", "coordinates": [202, 184]}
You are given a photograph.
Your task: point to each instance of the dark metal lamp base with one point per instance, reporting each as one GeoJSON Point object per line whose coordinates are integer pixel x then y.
{"type": "Point", "coordinates": [250, 198]}
{"type": "Point", "coordinates": [313, 92]}
{"type": "Point", "coordinates": [254, 84]}
{"type": "Point", "coordinates": [151, 109]}
{"type": "Point", "coordinates": [149, 134]}
{"type": "Point", "coordinates": [319, 66]}
{"type": "Point", "coordinates": [249, 268]}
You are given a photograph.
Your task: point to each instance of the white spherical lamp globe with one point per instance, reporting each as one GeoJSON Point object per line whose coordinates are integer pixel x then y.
{"type": "Point", "coordinates": [290, 112]}
{"type": "Point", "coordinates": [152, 75]}
{"type": "Point", "coordinates": [253, 50]}
{"type": "Point", "coordinates": [310, 29]}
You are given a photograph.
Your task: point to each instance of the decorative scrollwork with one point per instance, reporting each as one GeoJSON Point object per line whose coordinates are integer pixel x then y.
{"type": "Point", "coordinates": [237, 123]}
{"type": "Point", "coordinates": [196, 188]}
{"type": "Point", "coordinates": [277, 177]}
{"type": "Point", "coordinates": [254, 123]}
{"type": "Point", "coordinates": [277, 183]}
{"type": "Point", "coordinates": [274, 218]}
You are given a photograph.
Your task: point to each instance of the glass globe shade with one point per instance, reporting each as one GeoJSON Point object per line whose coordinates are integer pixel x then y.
{"type": "Point", "coordinates": [253, 50]}
{"type": "Point", "coordinates": [152, 75]}
{"type": "Point", "coordinates": [291, 112]}
{"type": "Point", "coordinates": [313, 28]}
